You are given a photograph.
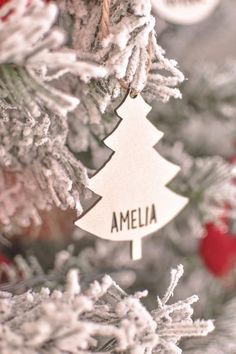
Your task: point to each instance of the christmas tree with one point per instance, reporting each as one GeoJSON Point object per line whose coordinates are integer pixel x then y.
{"type": "Point", "coordinates": [136, 202]}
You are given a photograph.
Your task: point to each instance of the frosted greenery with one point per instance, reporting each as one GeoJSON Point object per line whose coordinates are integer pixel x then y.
{"type": "Point", "coordinates": [100, 318]}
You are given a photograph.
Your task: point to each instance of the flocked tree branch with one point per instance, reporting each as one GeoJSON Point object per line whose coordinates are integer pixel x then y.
{"type": "Point", "coordinates": [101, 318]}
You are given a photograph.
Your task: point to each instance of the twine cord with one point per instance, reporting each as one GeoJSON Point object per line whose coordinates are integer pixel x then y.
{"type": "Point", "coordinates": [150, 56]}
{"type": "Point", "coordinates": [105, 19]}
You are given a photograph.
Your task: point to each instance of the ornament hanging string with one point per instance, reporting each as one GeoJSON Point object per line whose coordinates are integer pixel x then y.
{"type": "Point", "coordinates": [105, 19]}
{"type": "Point", "coordinates": [104, 32]}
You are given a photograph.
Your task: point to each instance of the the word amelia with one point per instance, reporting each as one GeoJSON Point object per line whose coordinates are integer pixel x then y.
{"type": "Point", "coordinates": [133, 219]}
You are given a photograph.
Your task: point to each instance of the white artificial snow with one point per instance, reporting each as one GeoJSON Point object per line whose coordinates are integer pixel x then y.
{"type": "Point", "coordinates": [101, 318]}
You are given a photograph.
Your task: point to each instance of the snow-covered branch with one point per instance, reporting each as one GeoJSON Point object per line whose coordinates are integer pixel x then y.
{"type": "Point", "coordinates": [101, 318]}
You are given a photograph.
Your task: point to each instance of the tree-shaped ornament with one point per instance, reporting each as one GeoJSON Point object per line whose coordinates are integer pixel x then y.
{"type": "Point", "coordinates": [134, 200]}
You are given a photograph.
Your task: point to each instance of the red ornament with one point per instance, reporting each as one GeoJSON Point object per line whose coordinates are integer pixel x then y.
{"type": "Point", "coordinates": [3, 2]}
{"type": "Point", "coordinates": [4, 261]}
{"type": "Point", "coordinates": [218, 250]}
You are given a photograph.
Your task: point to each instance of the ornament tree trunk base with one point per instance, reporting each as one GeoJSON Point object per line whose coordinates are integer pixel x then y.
{"type": "Point", "coordinates": [136, 249]}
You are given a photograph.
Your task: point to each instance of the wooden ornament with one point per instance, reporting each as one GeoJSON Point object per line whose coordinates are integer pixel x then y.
{"type": "Point", "coordinates": [184, 12]}
{"type": "Point", "coordinates": [134, 200]}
